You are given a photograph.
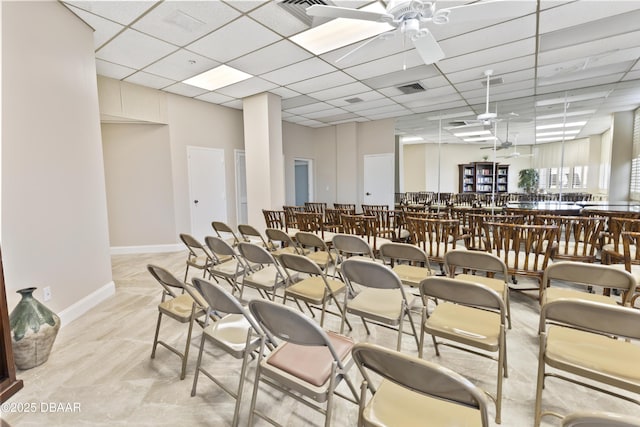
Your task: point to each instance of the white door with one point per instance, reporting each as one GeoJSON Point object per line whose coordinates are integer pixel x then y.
{"type": "Point", "coordinates": [378, 180]}
{"type": "Point", "coordinates": [208, 199]}
{"type": "Point", "coordinates": [303, 179]}
{"type": "Point", "coordinates": [241, 187]}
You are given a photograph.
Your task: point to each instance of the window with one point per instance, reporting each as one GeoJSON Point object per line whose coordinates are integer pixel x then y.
{"type": "Point", "coordinates": [568, 178]}
{"type": "Point", "coordinates": [634, 186]}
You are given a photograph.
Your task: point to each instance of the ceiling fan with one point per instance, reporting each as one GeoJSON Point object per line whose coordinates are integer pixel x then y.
{"type": "Point", "coordinates": [515, 154]}
{"type": "Point", "coordinates": [409, 18]}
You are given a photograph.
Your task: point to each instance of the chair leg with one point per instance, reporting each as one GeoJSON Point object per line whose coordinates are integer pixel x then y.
{"type": "Point", "coordinates": [540, 383]}
{"type": "Point", "coordinates": [422, 320]}
{"type": "Point", "coordinates": [185, 356]}
{"type": "Point", "coordinates": [155, 338]}
{"type": "Point", "coordinates": [399, 343]}
{"type": "Point", "coordinates": [501, 355]}
{"type": "Point", "coordinates": [243, 372]}
{"type": "Point", "coordinates": [256, 383]}
{"type": "Point", "coordinates": [198, 364]}
{"type": "Point", "coordinates": [413, 326]}
{"type": "Point", "coordinates": [332, 385]}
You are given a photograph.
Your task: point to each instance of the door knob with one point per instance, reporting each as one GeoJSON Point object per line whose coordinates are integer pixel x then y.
{"type": "Point", "coordinates": [367, 194]}
{"type": "Point", "coordinates": [195, 201]}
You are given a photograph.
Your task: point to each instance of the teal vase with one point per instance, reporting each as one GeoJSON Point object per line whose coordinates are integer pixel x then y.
{"type": "Point", "coordinates": [33, 330]}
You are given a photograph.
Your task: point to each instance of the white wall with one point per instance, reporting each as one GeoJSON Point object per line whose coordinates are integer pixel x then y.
{"type": "Point", "coordinates": [54, 212]}
{"type": "Point", "coordinates": [621, 154]}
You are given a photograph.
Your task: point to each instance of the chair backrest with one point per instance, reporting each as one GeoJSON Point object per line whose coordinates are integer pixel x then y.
{"type": "Point", "coordinates": [370, 274]}
{"type": "Point", "coordinates": [367, 208]}
{"type": "Point", "coordinates": [255, 254]}
{"type": "Point", "coordinates": [462, 292]}
{"type": "Point", "coordinates": [405, 252]}
{"type": "Point", "coordinates": [290, 220]}
{"type": "Point", "coordinates": [194, 247]}
{"type": "Point", "coordinates": [434, 235]}
{"type": "Point", "coordinates": [317, 207]}
{"type": "Point", "coordinates": [592, 316]}
{"type": "Point", "coordinates": [348, 208]}
{"type": "Point", "coordinates": [220, 227]}
{"type": "Point", "coordinates": [419, 376]}
{"type": "Point", "coordinates": [528, 247]}
{"type": "Point", "coordinates": [277, 235]}
{"type": "Point", "coordinates": [588, 274]}
{"type": "Point", "coordinates": [475, 231]}
{"type": "Point", "coordinates": [617, 225]}
{"type": "Point", "coordinates": [600, 419]}
{"type": "Point", "coordinates": [474, 260]}
{"type": "Point", "coordinates": [287, 324]}
{"type": "Point", "coordinates": [219, 247]}
{"type": "Point", "coordinates": [247, 231]}
{"type": "Point", "coordinates": [300, 264]}
{"type": "Point", "coordinates": [332, 218]}
{"type": "Point", "coordinates": [311, 222]}
{"type": "Point", "coordinates": [167, 280]}
{"type": "Point", "coordinates": [348, 244]}
{"type": "Point", "coordinates": [310, 240]}
{"type": "Point", "coordinates": [273, 219]}
{"type": "Point", "coordinates": [365, 226]}
{"type": "Point", "coordinates": [577, 236]}
{"type": "Point", "coordinates": [631, 248]}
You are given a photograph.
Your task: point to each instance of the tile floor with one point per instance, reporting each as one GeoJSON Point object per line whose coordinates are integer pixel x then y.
{"type": "Point", "coordinates": [101, 364]}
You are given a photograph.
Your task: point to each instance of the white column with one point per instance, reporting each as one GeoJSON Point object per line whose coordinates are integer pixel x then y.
{"type": "Point", "coordinates": [262, 115]}
{"type": "Point", "coordinates": [621, 153]}
{"type": "Point", "coordinates": [346, 161]}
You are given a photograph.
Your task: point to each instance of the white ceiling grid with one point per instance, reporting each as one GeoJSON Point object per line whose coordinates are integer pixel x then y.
{"type": "Point", "coordinates": [539, 48]}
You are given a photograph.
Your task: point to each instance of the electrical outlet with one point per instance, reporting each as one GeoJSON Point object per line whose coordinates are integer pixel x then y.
{"type": "Point", "coordinates": [46, 293]}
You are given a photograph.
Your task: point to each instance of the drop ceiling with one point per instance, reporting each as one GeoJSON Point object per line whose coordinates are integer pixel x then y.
{"type": "Point", "coordinates": [544, 51]}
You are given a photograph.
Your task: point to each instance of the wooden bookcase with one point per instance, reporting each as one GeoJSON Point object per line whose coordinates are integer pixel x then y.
{"type": "Point", "coordinates": [478, 177]}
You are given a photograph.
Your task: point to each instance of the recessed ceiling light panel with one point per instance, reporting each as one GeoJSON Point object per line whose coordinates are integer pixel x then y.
{"type": "Point", "coordinates": [218, 77]}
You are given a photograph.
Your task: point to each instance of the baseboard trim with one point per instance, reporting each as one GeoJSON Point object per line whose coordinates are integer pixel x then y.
{"type": "Point", "coordinates": [149, 249]}
{"type": "Point", "coordinates": [80, 307]}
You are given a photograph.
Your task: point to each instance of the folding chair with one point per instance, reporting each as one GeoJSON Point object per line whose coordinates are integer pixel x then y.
{"type": "Point", "coordinates": [229, 271]}
{"type": "Point", "coordinates": [382, 299]}
{"type": "Point", "coordinates": [591, 341]}
{"type": "Point", "coordinates": [182, 307]}
{"type": "Point", "coordinates": [414, 392]}
{"type": "Point", "coordinates": [198, 256]}
{"type": "Point", "coordinates": [319, 251]}
{"type": "Point", "coordinates": [409, 262]}
{"type": "Point", "coordinates": [265, 274]}
{"type": "Point", "coordinates": [308, 366]}
{"type": "Point", "coordinates": [236, 333]}
{"type": "Point", "coordinates": [224, 231]}
{"type": "Point", "coordinates": [470, 314]}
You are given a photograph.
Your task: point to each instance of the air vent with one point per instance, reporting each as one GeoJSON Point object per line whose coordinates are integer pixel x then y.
{"type": "Point", "coordinates": [493, 82]}
{"type": "Point", "coordinates": [298, 8]}
{"type": "Point", "coordinates": [354, 100]}
{"type": "Point", "coordinates": [411, 88]}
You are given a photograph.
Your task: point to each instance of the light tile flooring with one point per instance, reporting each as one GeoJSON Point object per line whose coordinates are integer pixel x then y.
{"type": "Point", "coordinates": [101, 362]}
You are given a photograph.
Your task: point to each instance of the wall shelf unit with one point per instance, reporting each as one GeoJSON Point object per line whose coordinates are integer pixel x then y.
{"type": "Point", "coordinates": [478, 177]}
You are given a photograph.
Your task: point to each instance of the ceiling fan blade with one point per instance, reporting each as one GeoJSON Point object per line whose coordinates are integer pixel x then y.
{"type": "Point", "coordinates": [384, 36]}
{"type": "Point", "coordinates": [428, 47]}
{"type": "Point", "coordinates": [345, 12]}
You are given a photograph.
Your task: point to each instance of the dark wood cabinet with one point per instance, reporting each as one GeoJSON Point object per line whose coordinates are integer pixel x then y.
{"type": "Point", "coordinates": [480, 177]}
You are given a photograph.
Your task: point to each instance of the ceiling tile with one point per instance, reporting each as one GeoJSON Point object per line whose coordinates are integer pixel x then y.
{"type": "Point", "coordinates": [337, 78]}
{"type": "Point", "coordinates": [231, 41]}
{"type": "Point", "coordinates": [300, 71]}
{"type": "Point", "coordinates": [365, 96]}
{"type": "Point", "coordinates": [181, 22]}
{"type": "Point", "coordinates": [270, 58]}
{"type": "Point", "coordinates": [330, 115]}
{"type": "Point", "coordinates": [489, 56]}
{"type": "Point", "coordinates": [633, 75]}
{"type": "Point", "coordinates": [369, 105]}
{"type": "Point", "coordinates": [285, 93]}
{"type": "Point", "coordinates": [181, 65]}
{"type": "Point", "coordinates": [185, 90]}
{"type": "Point", "coordinates": [297, 102]}
{"type": "Point", "coordinates": [149, 80]}
{"type": "Point", "coordinates": [576, 13]}
{"type": "Point", "coordinates": [311, 108]}
{"type": "Point", "coordinates": [587, 73]}
{"type": "Point", "coordinates": [247, 87]}
{"type": "Point", "coordinates": [245, 5]}
{"type": "Point", "coordinates": [340, 91]}
{"type": "Point", "coordinates": [104, 29]}
{"type": "Point", "coordinates": [236, 103]}
{"type": "Point", "coordinates": [134, 49]}
{"type": "Point", "coordinates": [499, 69]}
{"type": "Point", "coordinates": [367, 51]}
{"type": "Point", "coordinates": [118, 11]}
{"type": "Point", "coordinates": [276, 18]}
{"type": "Point", "coordinates": [394, 63]}
{"type": "Point", "coordinates": [595, 48]}
{"type": "Point", "coordinates": [429, 100]}
{"type": "Point", "coordinates": [435, 93]}
{"type": "Point", "coordinates": [215, 98]}
{"type": "Point", "coordinates": [508, 79]}
{"type": "Point", "coordinates": [114, 71]}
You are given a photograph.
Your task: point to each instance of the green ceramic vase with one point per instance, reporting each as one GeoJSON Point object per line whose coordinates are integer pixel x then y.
{"type": "Point", "coordinates": [33, 330]}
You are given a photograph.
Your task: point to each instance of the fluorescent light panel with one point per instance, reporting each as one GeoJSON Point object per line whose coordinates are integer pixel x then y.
{"type": "Point", "coordinates": [217, 77]}
{"type": "Point", "coordinates": [480, 138]}
{"type": "Point", "coordinates": [474, 133]}
{"type": "Point", "coordinates": [559, 132]}
{"type": "Point", "coordinates": [561, 125]}
{"type": "Point", "coordinates": [340, 32]}
{"type": "Point", "coordinates": [412, 138]}
{"type": "Point", "coordinates": [557, 138]}
{"type": "Point", "coordinates": [568, 114]}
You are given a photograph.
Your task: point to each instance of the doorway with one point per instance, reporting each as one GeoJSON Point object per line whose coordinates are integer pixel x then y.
{"type": "Point", "coordinates": [379, 185]}
{"type": "Point", "coordinates": [303, 181]}
{"type": "Point", "coordinates": [207, 184]}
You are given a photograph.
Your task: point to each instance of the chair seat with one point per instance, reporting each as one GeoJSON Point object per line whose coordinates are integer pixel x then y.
{"type": "Point", "coordinates": [554, 293]}
{"type": "Point", "coordinates": [312, 289]}
{"type": "Point", "coordinates": [228, 268]}
{"type": "Point", "coordinates": [311, 364]}
{"type": "Point", "coordinates": [230, 333]}
{"type": "Point", "coordinates": [497, 285]}
{"type": "Point", "coordinates": [610, 248]}
{"type": "Point", "coordinates": [382, 305]}
{"type": "Point", "coordinates": [285, 250]}
{"type": "Point", "coordinates": [611, 361]}
{"type": "Point", "coordinates": [578, 249]}
{"type": "Point", "coordinates": [438, 250]}
{"type": "Point", "coordinates": [198, 262]}
{"type": "Point", "coordinates": [264, 278]}
{"type": "Point", "coordinates": [179, 308]}
{"type": "Point", "coordinates": [411, 275]}
{"type": "Point", "coordinates": [393, 405]}
{"type": "Point", "coordinates": [321, 258]}
{"type": "Point", "coordinates": [468, 325]}
{"type": "Point", "coordinates": [404, 234]}
{"type": "Point", "coordinates": [291, 232]}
